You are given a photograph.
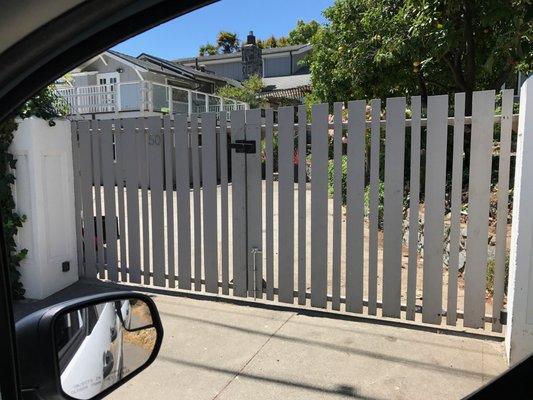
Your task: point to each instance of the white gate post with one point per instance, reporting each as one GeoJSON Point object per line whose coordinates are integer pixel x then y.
{"type": "Point", "coordinates": [44, 192]}
{"type": "Point", "coordinates": [519, 336]}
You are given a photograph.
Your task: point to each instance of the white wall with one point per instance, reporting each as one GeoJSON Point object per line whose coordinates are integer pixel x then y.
{"type": "Point", "coordinates": [44, 192]}
{"type": "Point", "coordinates": [519, 336]}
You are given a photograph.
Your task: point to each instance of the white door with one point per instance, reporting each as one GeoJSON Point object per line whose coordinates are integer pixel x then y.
{"type": "Point", "coordinates": [107, 94]}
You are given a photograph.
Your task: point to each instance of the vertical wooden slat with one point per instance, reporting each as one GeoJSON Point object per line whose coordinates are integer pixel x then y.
{"type": "Point", "coordinates": [254, 203]}
{"type": "Point", "coordinates": [224, 229]}
{"type": "Point", "coordinates": [503, 207]}
{"type": "Point", "coordinates": [286, 204]}
{"type": "Point", "coordinates": [355, 182]}
{"type": "Point", "coordinates": [108, 176]}
{"type": "Point", "coordinates": [183, 185]}
{"type": "Point", "coordinates": [238, 187]}
{"type": "Point", "coordinates": [414, 204]}
{"type": "Point", "coordinates": [155, 162]}
{"type": "Point", "coordinates": [319, 205]}
{"type": "Point", "coordinates": [132, 198]}
{"type": "Point", "coordinates": [209, 192]}
{"type": "Point", "coordinates": [99, 232]}
{"type": "Point", "coordinates": [302, 207]}
{"type": "Point", "coordinates": [77, 194]}
{"type": "Point", "coordinates": [337, 206]}
{"type": "Point", "coordinates": [456, 201]}
{"type": "Point", "coordinates": [121, 155]}
{"type": "Point", "coordinates": [142, 147]}
{"type": "Point", "coordinates": [168, 136]}
{"type": "Point", "coordinates": [86, 178]}
{"type": "Point", "coordinates": [478, 207]}
{"type": "Point", "coordinates": [269, 204]}
{"type": "Point", "coordinates": [437, 134]}
{"type": "Point", "coordinates": [195, 157]}
{"type": "Point", "coordinates": [392, 218]}
{"type": "Point", "coordinates": [373, 209]}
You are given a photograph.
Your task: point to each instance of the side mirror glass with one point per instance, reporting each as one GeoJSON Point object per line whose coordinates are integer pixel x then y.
{"type": "Point", "coordinates": [99, 345]}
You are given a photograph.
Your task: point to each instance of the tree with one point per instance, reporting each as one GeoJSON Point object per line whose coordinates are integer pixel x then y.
{"type": "Point", "coordinates": [272, 42]}
{"type": "Point", "coordinates": [227, 42]}
{"type": "Point", "coordinates": [208, 49]}
{"type": "Point", "coordinates": [303, 32]}
{"type": "Point", "coordinates": [248, 92]}
{"type": "Point", "coordinates": [389, 48]}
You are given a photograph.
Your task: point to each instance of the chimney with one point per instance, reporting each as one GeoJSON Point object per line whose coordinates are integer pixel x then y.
{"type": "Point", "coordinates": [252, 58]}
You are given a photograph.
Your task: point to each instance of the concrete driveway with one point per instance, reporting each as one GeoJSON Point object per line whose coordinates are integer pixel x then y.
{"type": "Point", "coordinates": [215, 350]}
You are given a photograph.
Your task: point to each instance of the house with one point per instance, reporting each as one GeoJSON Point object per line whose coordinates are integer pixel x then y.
{"type": "Point", "coordinates": [114, 83]}
{"type": "Point", "coordinates": [284, 72]}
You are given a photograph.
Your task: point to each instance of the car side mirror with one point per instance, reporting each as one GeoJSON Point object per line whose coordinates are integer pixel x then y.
{"type": "Point", "coordinates": [86, 348]}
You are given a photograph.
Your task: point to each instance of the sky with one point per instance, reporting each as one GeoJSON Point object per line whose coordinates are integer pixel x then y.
{"type": "Point", "coordinates": [182, 36]}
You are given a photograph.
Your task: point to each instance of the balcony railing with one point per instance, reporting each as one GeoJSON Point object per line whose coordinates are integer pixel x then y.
{"type": "Point", "coordinates": [143, 96]}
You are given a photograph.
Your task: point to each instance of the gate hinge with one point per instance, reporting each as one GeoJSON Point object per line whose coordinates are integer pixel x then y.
{"type": "Point", "coordinates": [243, 146]}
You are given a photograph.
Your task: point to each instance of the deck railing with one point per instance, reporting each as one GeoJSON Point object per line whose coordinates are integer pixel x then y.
{"type": "Point", "coordinates": [143, 96]}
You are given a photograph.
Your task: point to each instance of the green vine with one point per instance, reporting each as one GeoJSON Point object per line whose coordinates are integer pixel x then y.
{"type": "Point", "coordinates": [46, 105]}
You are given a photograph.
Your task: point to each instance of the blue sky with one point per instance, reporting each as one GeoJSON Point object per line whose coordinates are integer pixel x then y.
{"type": "Point", "coordinates": [183, 36]}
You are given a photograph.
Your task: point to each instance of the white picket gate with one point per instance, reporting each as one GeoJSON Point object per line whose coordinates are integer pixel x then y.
{"type": "Point", "coordinates": [261, 223]}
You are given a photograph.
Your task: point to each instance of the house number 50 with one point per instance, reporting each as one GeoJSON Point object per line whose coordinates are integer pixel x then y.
{"type": "Point", "coordinates": [154, 140]}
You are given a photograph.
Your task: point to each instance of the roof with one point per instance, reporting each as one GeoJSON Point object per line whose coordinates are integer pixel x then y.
{"type": "Point", "coordinates": [286, 82]}
{"type": "Point", "coordinates": [162, 66]}
{"type": "Point", "coordinates": [272, 50]}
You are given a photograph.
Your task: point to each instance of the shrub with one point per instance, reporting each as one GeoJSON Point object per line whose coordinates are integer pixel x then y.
{"type": "Point", "coordinates": [331, 178]}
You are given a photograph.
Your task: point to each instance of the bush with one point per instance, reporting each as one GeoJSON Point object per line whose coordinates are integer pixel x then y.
{"type": "Point", "coordinates": [491, 265]}
{"type": "Point", "coordinates": [331, 178]}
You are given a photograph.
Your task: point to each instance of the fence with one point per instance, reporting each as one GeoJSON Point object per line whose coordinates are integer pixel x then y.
{"type": "Point", "coordinates": [257, 221]}
{"type": "Point", "coordinates": [143, 96]}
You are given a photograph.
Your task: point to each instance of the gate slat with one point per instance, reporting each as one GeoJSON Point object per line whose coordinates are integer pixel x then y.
{"type": "Point", "coordinates": [392, 218]}
{"type": "Point", "coordinates": [269, 204]}
{"type": "Point", "coordinates": [223, 150]}
{"type": "Point", "coordinates": [478, 207]}
{"type": "Point", "coordinates": [373, 209]}
{"type": "Point", "coordinates": [355, 182]}
{"type": "Point", "coordinates": [86, 178]}
{"type": "Point", "coordinates": [195, 158]}
{"type": "Point", "coordinates": [414, 204]}
{"type": "Point", "coordinates": [209, 192]}
{"type": "Point", "coordinates": [319, 205]}
{"type": "Point", "coordinates": [108, 177]}
{"type": "Point", "coordinates": [168, 136]}
{"type": "Point", "coordinates": [503, 207]}
{"type": "Point", "coordinates": [119, 179]}
{"type": "Point", "coordinates": [99, 232]}
{"type": "Point", "coordinates": [183, 184]}
{"type": "Point", "coordinates": [132, 199]}
{"type": "Point", "coordinates": [142, 145]}
{"type": "Point", "coordinates": [77, 194]}
{"type": "Point", "coordinates": [437, 127]}
{"type": "Point", "coordinates": [286, 204]}
{"type": "Point", "coordinates": [302, 207]}
{"type": "Point", "coordinates": [155, 163]}
{"type": "Point", "coordinates": [337, 206]}
{"type": "Point", "coordinates": [456, 201]}
{"type": "Point", "coordinates": [238, 188]}
{"type": "Point", "coordinates": [254, 202]}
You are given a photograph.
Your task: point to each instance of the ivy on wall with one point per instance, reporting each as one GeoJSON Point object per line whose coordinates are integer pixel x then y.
{"type": "Point", "coordinates": [46, 105]}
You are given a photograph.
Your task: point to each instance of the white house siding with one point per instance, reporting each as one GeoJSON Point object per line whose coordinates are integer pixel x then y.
{"type": "Point", "coordinates": [231, 70]}
{"type": "Point", "coordinates": [276, 66]}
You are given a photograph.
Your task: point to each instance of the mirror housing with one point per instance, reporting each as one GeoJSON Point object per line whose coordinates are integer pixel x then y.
{"type": "Point", "coordinates": [38, 355]}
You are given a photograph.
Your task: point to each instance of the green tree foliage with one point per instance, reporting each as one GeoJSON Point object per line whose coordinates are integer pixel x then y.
{"type": "Point", "coordinates": [303, 32]}
{"type": "Point", "coordinates": [46, 105]}
{"type": "Point", "coordinates": [227, 42]}
{"type": "Point", "coordinates": [208, 49]}
{"type": "Point", "coordinates": [248, 92]}
{"type": "Point", "coordinates": [386, 48]}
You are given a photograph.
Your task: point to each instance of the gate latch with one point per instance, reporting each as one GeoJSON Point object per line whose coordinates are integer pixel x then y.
{"type": "Point", "coordinates": [243, 146]}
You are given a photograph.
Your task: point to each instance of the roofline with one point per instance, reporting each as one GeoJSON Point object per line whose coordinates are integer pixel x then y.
{"type": "Point", "coordinates": [230, 56]}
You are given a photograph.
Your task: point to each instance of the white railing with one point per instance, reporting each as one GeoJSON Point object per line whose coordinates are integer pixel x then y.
{"type": "Point", "coordinates": [144, 96]}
